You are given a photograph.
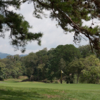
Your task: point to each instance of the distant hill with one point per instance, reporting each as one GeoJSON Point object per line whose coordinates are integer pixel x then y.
{"type": "Point", "coordinates": [4, 55]}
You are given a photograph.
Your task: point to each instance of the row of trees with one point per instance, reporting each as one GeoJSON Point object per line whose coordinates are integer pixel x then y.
{"type": "Point", "coordinates": [11, 67]}
{"type": "Point", "coordinates": [77, 63]}
{"type": "Point", "coordinates": [87, 69]}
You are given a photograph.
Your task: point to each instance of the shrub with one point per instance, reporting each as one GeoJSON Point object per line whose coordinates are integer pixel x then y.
{"type": "Point", "coordinates": [56, 82]}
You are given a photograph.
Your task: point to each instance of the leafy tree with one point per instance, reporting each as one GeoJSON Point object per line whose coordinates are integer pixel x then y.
{"type": "Point", "coordinates": [49, 65]}
{"type": "Point", "coordinates": [59, 59]}
{"type": "Point", "coordinates": [62, 64]}
{"type": "Point", "coordinates": [85, 50]}
{"type": "Point", "coordinates": [41, 71]}
{"type": "Point", "coordinates": [19, 69]}
{"type": "Point", "coordinates": [30, 63]}
{"type": "Point", "coordinates": [91, 72]}
{"type": "Point", "coordinates": [2, 71]}
{"type": "Point", "coordinates": [87, 69]}
{"type": "Point", "coordinates": [13, 67]}
{"type": "Point", "coordinates": [42, 56]}
{"type": "Point", "coordinates": [8, 65]}
{"type": "Point", "coordinates": [42, 61]}
{"type": "Point", "coordinates": [17, 57]}
{"type": "Point", "coordinates": [76, 66]}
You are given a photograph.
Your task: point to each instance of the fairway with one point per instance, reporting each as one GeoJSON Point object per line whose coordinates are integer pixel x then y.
{"type": "Point", "coordinates": [86, 87]}
{"type": "Point", "coordinates": [14, 90]}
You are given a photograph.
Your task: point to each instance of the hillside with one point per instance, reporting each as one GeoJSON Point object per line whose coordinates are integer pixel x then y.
{"type": "Point", "coordinates": [4, 55]}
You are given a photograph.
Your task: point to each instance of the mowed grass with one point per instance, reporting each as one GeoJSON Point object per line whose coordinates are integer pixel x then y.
{"type": "Point", "coordinates": [15, 90]}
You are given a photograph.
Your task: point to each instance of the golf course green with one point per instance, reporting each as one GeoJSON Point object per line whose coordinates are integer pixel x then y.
{"type": "Point", "coordinates": [16, 90]}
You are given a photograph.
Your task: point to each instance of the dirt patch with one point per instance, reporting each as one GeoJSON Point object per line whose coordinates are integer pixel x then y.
{"type": "Point", "coordinates": [2, 82]}
{"type": "Point", "coordinates": [51, 96]}
{"type": "Point", "coordinates": [23, 77]}
{"type": "Point", "coordinates": [56, 90]}
{"type": "Point", "coordinates": [62, 91]}
{"type": "Point", "coordinates": [72, 99]}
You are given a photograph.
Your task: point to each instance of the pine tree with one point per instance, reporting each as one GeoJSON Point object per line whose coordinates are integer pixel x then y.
{"type": "Point", "coordinates": [15, 23]}
{"type": "Point", "coordinates": [71, 13]}
{"type": "Point", "coordinates": [66, 12]}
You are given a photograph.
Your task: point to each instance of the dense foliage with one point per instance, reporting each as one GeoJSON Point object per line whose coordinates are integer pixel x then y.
{"type": "Point", "coordinates": [78, 65]}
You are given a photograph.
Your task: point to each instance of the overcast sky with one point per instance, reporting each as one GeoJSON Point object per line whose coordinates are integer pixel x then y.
{"type": "Point", "coordinates": [52, 36]}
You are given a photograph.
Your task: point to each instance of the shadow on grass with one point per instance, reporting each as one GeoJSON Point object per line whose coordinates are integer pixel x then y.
{"type": "Point", "coordinates": [7, 94]}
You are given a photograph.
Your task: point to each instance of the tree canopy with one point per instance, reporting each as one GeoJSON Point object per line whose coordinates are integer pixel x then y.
{"type": "Point", "coordinates": [66, 12]}
{"type": "Point", "coordinates": [46, 65]}
{"type": "Point", "coordinates": [19, 28]}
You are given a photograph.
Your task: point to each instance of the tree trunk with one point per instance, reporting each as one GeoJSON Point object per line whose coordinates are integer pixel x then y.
{"type": "Point", "coordinates": [77, 78]}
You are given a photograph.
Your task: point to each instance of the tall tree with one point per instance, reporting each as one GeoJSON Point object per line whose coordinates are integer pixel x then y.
{"type": "Point", "coordinates": [30, 63]}
{"type": "Point", "coordinates": [91, 71]}
{"type": "Point", "coordinates": [2, 71]}
{"type": "Point", "coordinates": [76, 66]}
{"type": "Point", "coordinates": [60, 57]}
{"type": "Point", "coordinates": [85, 50]}
{"type": "Point", "coordinates": [42, 60]}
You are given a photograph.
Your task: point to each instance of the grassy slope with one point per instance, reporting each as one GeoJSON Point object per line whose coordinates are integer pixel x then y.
{"type": "Point", "coordinates": [12, 90]}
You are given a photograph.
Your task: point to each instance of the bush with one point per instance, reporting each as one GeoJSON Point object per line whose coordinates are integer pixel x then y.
{"type": "Point", "coordinates": [46, 81]}
{"type": "Point", "coordinates": [1, 79]}
{"type": "Point", "coordinates": [56, 82]}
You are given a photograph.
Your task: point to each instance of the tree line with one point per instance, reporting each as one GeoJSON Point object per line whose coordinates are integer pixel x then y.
{"type": "Point", "coordinates": [78, 64]}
